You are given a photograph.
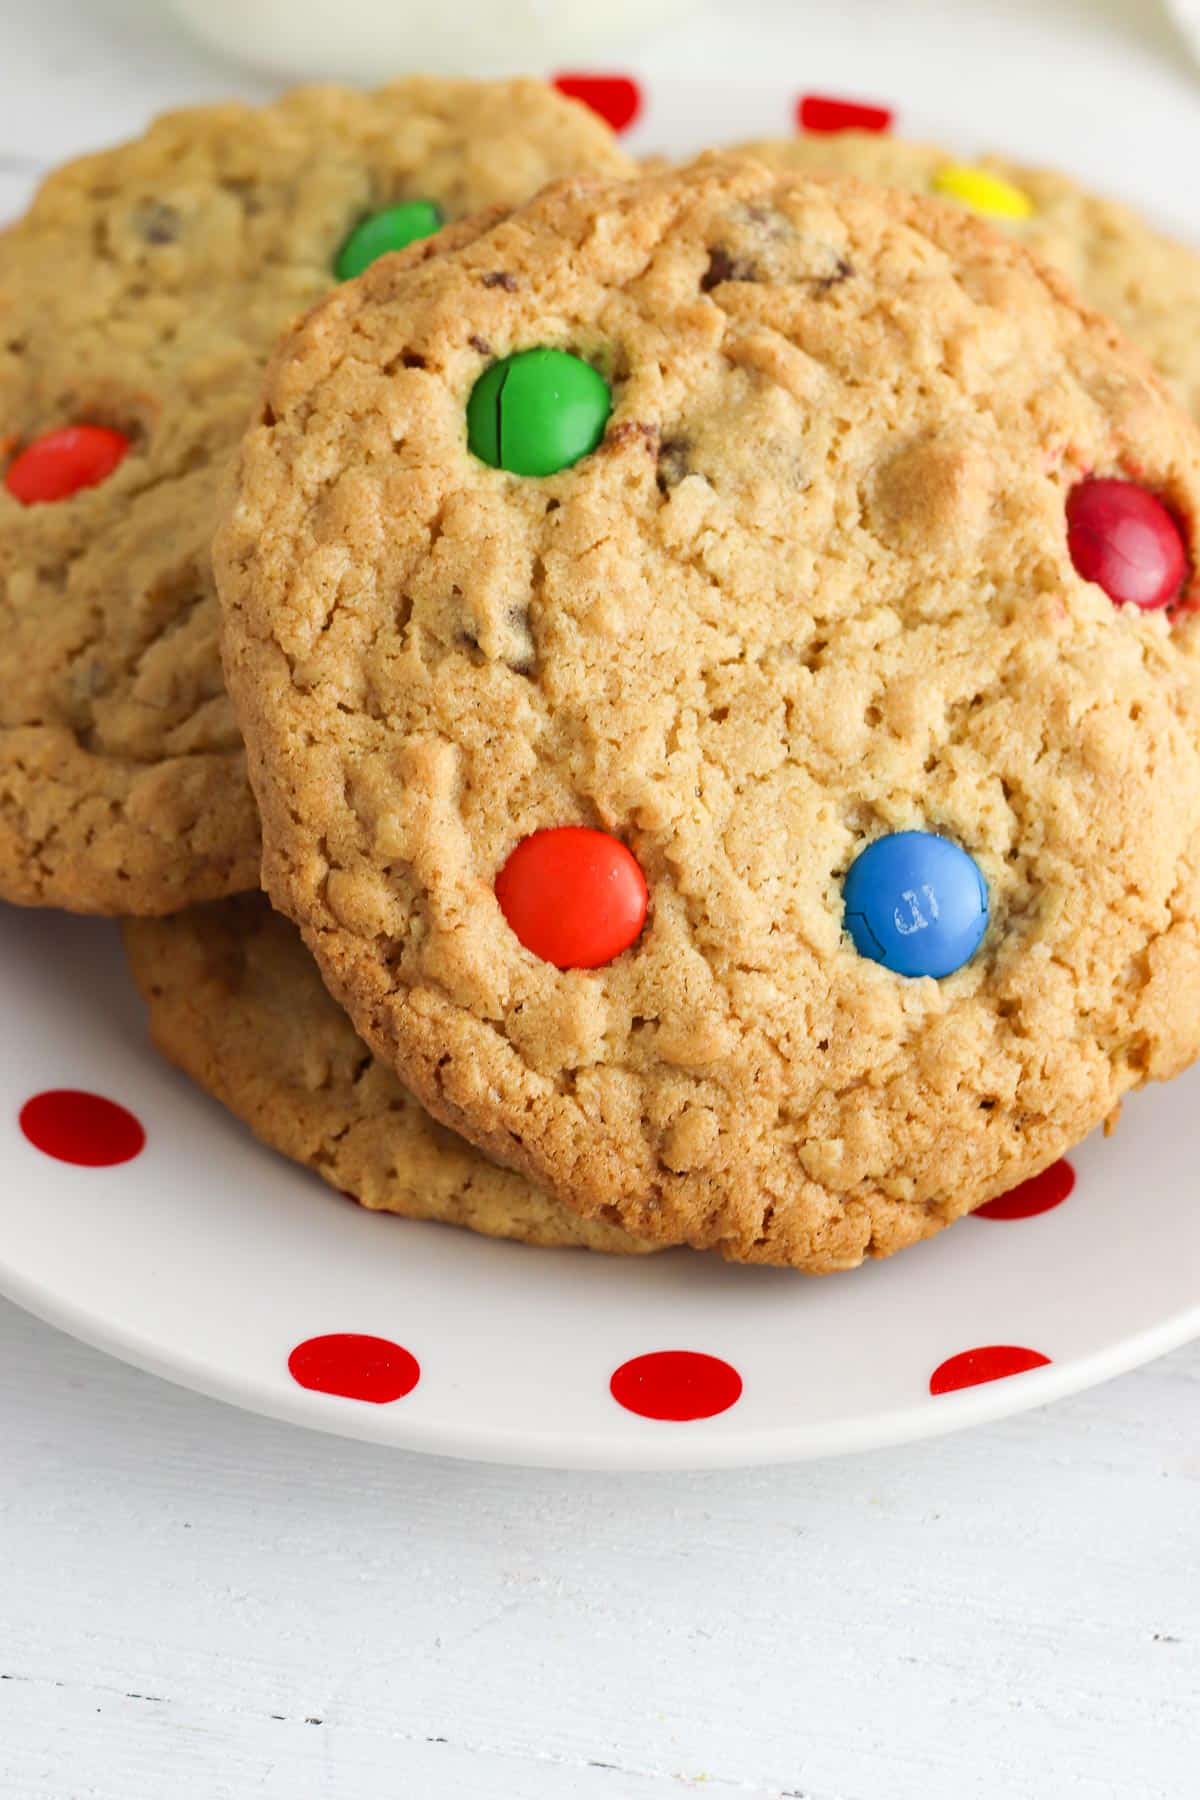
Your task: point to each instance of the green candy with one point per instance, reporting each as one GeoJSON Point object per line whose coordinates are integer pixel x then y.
{"type": "Point", "coordinates": [392, 229]}
{"type": "Point", "coordinates": [537, 412]}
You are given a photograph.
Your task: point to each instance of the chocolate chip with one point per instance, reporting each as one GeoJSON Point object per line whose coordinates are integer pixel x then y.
{"type": "Point", "coordinates": [90, 680]}
{"type": "Point", "coordinates": [411, 360]}
{"type": "Point", "coordinates": [842, 271]}
{"type": "Point", "coordinates": [723, 267]}
{"type": "Point", "coordinates": [481, 344]}
{"type": "Point", "coordinates": [159, 223]}
{"type": "Point", "coordinates": [672, 463]}
{"type": "Point", "coordinates": [519, 651]}
{"type": "Point", "coordinates": [509, 641]}
{"type": "Point", "coordinates": [500, 278]}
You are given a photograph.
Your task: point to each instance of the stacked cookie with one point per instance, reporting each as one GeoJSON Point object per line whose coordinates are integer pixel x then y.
{"type": "Point", "coordinates": [714, 652]}
{"type": "Point", "coordinates": [142, 294]}
{"type": "Point", "coordinates": [1145, 282]}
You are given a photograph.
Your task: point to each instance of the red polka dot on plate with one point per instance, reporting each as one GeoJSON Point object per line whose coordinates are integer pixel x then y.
{"type": "Point", "coordinates": [823, 112]}
{"type": "Point", "coordinates": [676, 1384]}
{"type": "Point", "coordinates": [617, 98]}
{"type": "Point", "coordinates": [77, 1127]}
{"type": "Point", "coordinates": [355, 1366]}
{"type": "Point", "coordinates": [1037, 1195]}
{"type": "Point", "coordinates": [987, 1362]}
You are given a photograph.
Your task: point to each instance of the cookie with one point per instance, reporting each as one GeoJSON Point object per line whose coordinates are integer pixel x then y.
{"type": "Point", "coordinates": [780, 827]}
{"type": "Point", "coordinates": [139, 298]}
{"type": "Point", "coordinates": [1144, 280]}
{"type": "Point", "coordinates": [235, 1001]}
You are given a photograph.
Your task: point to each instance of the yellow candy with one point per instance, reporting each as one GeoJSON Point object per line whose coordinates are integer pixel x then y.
{"type": "Point", "coordinates": [983, 192]}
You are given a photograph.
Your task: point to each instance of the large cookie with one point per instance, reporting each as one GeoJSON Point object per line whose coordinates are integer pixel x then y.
{"type": "Point", "coordinates": [1144, 280]}
{"type": "Point", "coordinates": [235, 1000]}
{"type": "Point", "coordinates": [141, 294]}
{"type": "Point", "coordinates": [811, 590]}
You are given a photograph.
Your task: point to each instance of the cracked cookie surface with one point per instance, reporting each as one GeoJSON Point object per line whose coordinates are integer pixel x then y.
{"type": "Point", "coordinates": [1120, 264]}
{"type": "Point", "coordinates": [143, 291]}
{"type": "Point", "coordinates": [235, 1001]}
{"type": "Point", "coordinates": [813, 586]}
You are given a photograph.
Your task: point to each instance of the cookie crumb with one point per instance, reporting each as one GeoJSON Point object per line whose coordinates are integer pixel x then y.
{"type": "Point", "coordinates": [629, 431]}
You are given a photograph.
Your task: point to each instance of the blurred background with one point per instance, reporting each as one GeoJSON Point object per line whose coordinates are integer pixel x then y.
{"type": "Point", "coordinates": [1106, 89]}
{"type": "Point", "coordinates": [307, 38]}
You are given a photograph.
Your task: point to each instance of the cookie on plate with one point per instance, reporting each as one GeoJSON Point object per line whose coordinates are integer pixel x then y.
{"type": "Point", "coordinates": [236, 1002]}
{"type": "Point", "coordinates": [139, 298]}
{"type": "Point", "coordinates": [719, 675]}
{"type": "Point", "coordinates": [1141, 278]}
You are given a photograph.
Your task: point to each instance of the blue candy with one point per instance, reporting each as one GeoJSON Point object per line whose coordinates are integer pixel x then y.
{"type": "Point", "coordinates": [916, 903]}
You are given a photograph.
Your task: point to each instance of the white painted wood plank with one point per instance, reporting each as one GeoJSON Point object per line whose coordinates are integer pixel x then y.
{"type": "Point", "coordinates": [1004, 1602]}
{"type": "Point", "coordinates": [121, 1748]}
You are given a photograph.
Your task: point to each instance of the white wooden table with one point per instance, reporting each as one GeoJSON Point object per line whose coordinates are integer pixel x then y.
{"type": "Point", "coordinates": [197, 1604]}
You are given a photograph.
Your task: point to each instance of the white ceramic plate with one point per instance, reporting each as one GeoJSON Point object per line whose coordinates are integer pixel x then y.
{"type": "Point", "coordinates": [207, 1259]}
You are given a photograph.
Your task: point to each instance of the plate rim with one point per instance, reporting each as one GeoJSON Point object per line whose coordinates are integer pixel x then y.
{"type": "Point", "coordinates": [685, 1448]}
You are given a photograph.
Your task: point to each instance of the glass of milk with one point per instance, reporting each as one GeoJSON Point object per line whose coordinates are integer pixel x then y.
{"type": "Point", "coordinates": [371, 40]}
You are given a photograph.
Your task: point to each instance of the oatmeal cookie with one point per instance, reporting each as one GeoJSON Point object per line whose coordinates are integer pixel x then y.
{"type": "Point", "coordinates": [139, 298]}
{"type": "Point", "coordinates": [236, 1002]}
{"type": "Point", "coordinates": [718, 663]}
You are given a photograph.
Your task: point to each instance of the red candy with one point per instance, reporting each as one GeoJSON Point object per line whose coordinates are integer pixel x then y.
{"type": "Point", "coordinates": [1122, 537]}
{"type": "Point", "coordinates": [573, 896]}
{"type": "Point", "coordinates": [822, 112]}
{"type": "Point", "coordinates": [62, 462]}
{"type": "Point", "coordinates": [617, 98]}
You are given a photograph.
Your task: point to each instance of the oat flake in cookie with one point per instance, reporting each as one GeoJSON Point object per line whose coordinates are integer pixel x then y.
{"type": "Point", "coordinates": [565, 776]}
{"type": "Point", "coordinates": [235, 1000]}
{"type": "Point", "coordinates": [139, 299]}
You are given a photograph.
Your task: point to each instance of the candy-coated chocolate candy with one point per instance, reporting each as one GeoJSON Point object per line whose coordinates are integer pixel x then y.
{"type": "Point", "coordinates": [916, 903]}
{"type": "Point", "coordinates": [1122, 537]}
{"type": "Point", "coordinates": [617, 98]}
{"type": "Point", "coordinates": [824, 113]}
{"type": "Point", "coordinates": [537, 412]}
{"type": "Point", "coordinates": [62, 462]}
{"type": "Point", "coordinates": [574, 896]}
{"type": "Point", "coordinates": [982, 191]}
{"type": "Point", "coordinates": [392, 229]}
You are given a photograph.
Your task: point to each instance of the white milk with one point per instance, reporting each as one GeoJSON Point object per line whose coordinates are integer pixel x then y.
{"type": "Point", "coordinates": [370, 40]}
